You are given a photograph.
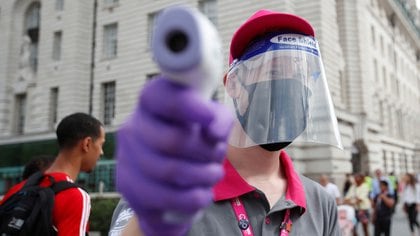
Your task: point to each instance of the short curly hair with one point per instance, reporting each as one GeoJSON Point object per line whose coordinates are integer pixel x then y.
{"type": "Point", "coordinates": [76, 127]}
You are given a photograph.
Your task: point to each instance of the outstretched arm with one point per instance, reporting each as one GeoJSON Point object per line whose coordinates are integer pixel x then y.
{"type": "Point", "coordinates": [169, 156]}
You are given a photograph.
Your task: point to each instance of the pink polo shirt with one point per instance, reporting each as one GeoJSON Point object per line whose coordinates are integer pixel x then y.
{"type": "Point", "coordinates": [313, 211]}
{"type": "Point", "coordinates": [233, 185]}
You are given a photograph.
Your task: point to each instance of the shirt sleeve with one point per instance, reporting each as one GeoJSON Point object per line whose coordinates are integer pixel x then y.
{"type": "Point", "coordinates": [390, 186]}
{"type": "Point", "coordinates": [71, 212]}
{"type": "Point", "coordinates": [350, 193]}
{"type": "Point", "coordinates": [120, 218]}
{"type": "Point", "coordinates": [375, 189]}
{"type": "Point", "coordinates": [337, 193]}
{"type": "Point", "coordinates": [11, 191]}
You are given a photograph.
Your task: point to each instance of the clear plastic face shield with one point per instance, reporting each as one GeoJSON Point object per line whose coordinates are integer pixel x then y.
{"type": "Point", "coordinates": [279, 94]}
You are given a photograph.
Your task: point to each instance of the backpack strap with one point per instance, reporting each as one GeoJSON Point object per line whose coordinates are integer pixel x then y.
{"type": "Point", "coordinates": [63, 185]}
{"type": "Point", "coordinates": [57, 187]}
{"type": "Point", "coordinates": [34, 179]}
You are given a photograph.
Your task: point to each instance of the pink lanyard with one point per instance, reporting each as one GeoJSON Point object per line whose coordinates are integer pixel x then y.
{"type": "Point", "coordinates": [245, 226]}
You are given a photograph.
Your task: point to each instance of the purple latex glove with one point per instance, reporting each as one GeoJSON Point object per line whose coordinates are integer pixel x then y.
{"type": "Point", "coordinates": [169, 156]}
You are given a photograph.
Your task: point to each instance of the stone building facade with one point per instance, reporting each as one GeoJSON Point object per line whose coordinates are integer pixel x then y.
{"type": "Point", "coordinates": [63, 56]}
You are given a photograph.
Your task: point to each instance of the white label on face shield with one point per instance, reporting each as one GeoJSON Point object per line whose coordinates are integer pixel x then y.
{"type": "Point", "coordinates": [294, 39]}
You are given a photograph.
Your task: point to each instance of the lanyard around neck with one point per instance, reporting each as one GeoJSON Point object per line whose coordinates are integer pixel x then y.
{"type": "Point", "coordinates": [245, 225]}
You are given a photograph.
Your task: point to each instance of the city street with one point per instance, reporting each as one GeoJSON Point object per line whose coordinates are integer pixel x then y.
{"type": "Point", "coordinates": [399, 226]}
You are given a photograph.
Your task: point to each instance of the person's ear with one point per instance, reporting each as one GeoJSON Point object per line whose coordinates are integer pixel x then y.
{"type": "Point", "coordinates": [86, 143]}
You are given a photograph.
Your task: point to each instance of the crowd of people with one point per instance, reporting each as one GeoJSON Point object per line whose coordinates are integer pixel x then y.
{"type": "Point", "coordinates": [366, 200]}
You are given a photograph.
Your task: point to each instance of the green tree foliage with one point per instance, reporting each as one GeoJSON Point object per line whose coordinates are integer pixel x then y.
{"type": "Point", "coordinates": [101, 214]}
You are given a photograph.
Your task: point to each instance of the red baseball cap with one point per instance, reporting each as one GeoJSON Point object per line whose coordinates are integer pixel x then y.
{"type": "Point", "coordinates": [264, 21]}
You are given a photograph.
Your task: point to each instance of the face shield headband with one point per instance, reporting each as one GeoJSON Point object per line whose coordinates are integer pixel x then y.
{"type": "Point", "coordinates": [279, 93]}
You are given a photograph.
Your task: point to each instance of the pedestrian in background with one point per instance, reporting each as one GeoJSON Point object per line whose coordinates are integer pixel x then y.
{"type": "Point", "coordinates": [411, 200]}
{"type": "Point", "coordinates": [376, 188]}
{"type": "Point", "coordinates": [346, 219]}
{"type": "Point", "coordinates": [368, 180]}
{"type": "Point", "coordinates": [37, 163]}
{"type": "Point", "coordinates": [347, 183]}
{"type": "Point", "coordinates": [357, 196]}
{"type": "Point", "coordinates": [383, 210]}
{"type": "Point", "coordinates": [393, 180]}
{"type": "Point", "coordinates": [331, 188]}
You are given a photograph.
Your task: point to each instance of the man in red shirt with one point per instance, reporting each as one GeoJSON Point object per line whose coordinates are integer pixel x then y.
{"type": "Point", "coordinates": [80, 138]}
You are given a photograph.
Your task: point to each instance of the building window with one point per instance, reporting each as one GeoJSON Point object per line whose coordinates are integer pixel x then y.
{"type": "Point", "coordinates": [400, 121]}
{"type": "Point", "coordinates": [384, 77]}
{"type": "Point", "coordinates": [372, 30]}
{"type": "Point", "coordinates": [390, 121]}
{"type": "Point", "coordinates": [381, 41]}
{"type": "Point", "coordinates": [110, 40]}
{"type": "Point", "coordinates": [109, 102]}
{"type": "Point", "coordinates": [375, 70]}
{"type": "Point", "coordinates": [32, 23]}
{"type": "Point", "coordinates": [56, 56]}
{"type": "Point", "coordinates": [20, 114]}
{"type": "Point", "coordinates": [53, 106]}
{"type": "Point", "coordinates": [59, 5]}
{"type": "Point", "coordinates": [150, 24]}
{"type": "Point", "coordinates": [385, 160]}
{"type": "Point", "coordinates": [343, 86]}
{"type": "Point", "coordinates": [110, 2]}
{"type": "Point", "coordinates": [209, 8]}
{"type": "Point", "coordinates": [381, 112]}
{"type": "Point", "coordinates": [390, 52]}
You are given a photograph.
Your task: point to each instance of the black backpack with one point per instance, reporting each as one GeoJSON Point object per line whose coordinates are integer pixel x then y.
{"type": "Point", "coordinates": [29, 211]}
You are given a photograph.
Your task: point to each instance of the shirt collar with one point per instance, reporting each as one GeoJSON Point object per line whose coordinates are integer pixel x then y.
{"type": "Point", "coordinates": [233, 185]}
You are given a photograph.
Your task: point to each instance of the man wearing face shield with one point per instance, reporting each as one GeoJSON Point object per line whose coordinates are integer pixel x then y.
{"type": "Point", "coordinates": [278, 93]}
{"type": "Point", "coordinates": [278, 90]}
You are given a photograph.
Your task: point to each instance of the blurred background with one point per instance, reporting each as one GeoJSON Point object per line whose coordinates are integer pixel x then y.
{"type": "Point", "coordinates": [62, 56]}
